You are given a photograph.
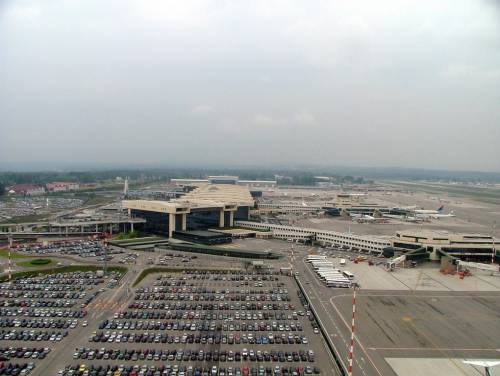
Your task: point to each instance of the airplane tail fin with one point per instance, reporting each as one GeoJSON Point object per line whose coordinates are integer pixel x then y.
{"type": "Point", "coordinates": [440, 209]}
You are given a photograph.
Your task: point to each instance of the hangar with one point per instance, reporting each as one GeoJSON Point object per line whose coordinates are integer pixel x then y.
{"type": "Point", "coordinates": [207, 206]}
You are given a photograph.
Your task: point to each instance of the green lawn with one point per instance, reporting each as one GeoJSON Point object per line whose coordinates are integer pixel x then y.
{"type": "Point", "coordinates": [30, 264]}
{"type": "Point", "coordinates": [64, 269]}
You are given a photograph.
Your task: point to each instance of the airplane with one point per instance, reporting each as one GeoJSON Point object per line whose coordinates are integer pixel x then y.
{"type": "Point", "coordinates": [360, 218]}
{"type": "Point", "coordinates": [436, 214]}
{"type": "Point", "coordinates": [427, 211]}
{"type": "Point", "coordinates": [487, 364]}
{"type": "Point", "coordinates": [402, 217]}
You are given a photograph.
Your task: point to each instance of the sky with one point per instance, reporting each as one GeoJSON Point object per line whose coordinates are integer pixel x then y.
{"type": "Point", "coordinates": [349, 83]}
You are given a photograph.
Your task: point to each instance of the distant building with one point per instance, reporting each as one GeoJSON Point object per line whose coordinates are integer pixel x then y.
{"type": "Point", "coordinates": [27, 189]}
{"type": "Point", "coordinates": [62, 186]}
{"type": "Point", "coordinates": [225, 179]}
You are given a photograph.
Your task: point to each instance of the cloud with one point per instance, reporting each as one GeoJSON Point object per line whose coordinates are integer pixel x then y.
{"type": "Point", "coordinates": [302, 118]}
{"type": "Point", "coordinates": [203, 109]}
{"type": "Point", "coordinates": [471, 72]}
{"type": "Point", "coordinates": [376, 73]}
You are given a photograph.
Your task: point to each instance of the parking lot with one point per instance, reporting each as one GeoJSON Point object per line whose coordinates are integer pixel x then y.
{"type": "Point", "coordinates": [81, 248]}
{"type": "Point", "coordinates": [38, 314]}
{"type": "Point", "coordinates": [27, 206]}
{"type": "Point", "coordinates": [203, 323]}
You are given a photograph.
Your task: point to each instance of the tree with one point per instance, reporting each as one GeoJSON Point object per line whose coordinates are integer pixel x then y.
{"type": "Point", "coordinates": [2, 188]}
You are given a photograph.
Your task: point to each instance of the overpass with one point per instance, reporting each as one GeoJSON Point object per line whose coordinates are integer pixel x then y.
{"type": "Point", "coordinates": [36, 235]}
{"type": "Point", "coordinates": [71, 226]}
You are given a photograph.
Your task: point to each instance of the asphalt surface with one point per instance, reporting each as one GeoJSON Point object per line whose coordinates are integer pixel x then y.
{"type": "Point", "coordinates": [118, 299]}
{"type": "Point", "coordinates": [405, 324]}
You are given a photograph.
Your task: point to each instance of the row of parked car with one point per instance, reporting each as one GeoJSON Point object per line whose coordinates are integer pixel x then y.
{"type": "Point", "coordinates": [262, 326]}
{"type": "Point", "coordinates": [82, 248]}
{"type": "Point", "coordinates": [16, 369]}
{"type": "Point", "coordinates": [230, 275]}
{"type": "Point", "coordinates": [213, 297]}
{"type": "Point", "coordinates": [35, 303]}
{"type": "Point", "coordinates": [8, 353]}
{"type": "Point", "coordinates": [64, 294]}
{"type": "Point", "coordinates": [194, 288]}
{"type": "Point", "coordinates": [210, 315]}
{"type": "Point", "coordinates": [40, 312]}
{"type": "Point", "coordinates": [177, 305]}
{"type": "Point", "coordinates": [209, 338]}
{"type": "Point", "coordinates": [193, 355]}
{"type": "Point", "coordinates": [32, 335]}
{"type": "Point", "coordinates": [51, 282]}
{"type": "Point", "coordinates": [181, 370]}
{"type": "Point", "coordinates": [38, 323]}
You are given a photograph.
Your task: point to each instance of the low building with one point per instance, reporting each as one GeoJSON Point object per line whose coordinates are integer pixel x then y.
{"type": "Point", "coordinates": [27, 189]}
{"type": "Point", "coordinates": [469, 247]}
{"type": "Point", "coordinates": [366, 243]}
{"type": "Point", "coordinates": [203, 237]}
{"type": "Point", "coordinates": [225, 179]}
{"type": "Point", "coordinates": [279, 207]}
{"type": "Point", "coordinates": [62, 186]}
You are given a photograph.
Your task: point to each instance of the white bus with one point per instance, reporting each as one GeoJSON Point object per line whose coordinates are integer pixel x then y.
{"type": "Point", "coordinates": [348, 274]}
{"type": "Point", "coordinates": [331, 273]}
{"type": "Point", "coordinates": [338, 283]}
{"type": "Point", "coordinates": [342, 262]}
{"type": "Point", "coordinates": [319, 264]}
{"type": "Point", "coordinates": [316, 257]}
{"type": "Point", "coordinates": [327, 269]}
{"type": "Point", "coordinates": [326, 276]}
{"type": "Point", "coordinates": [322, 262]}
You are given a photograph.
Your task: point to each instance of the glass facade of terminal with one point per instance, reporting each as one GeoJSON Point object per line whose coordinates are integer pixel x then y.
{"type": "Point", "coordinates": [156, 223]}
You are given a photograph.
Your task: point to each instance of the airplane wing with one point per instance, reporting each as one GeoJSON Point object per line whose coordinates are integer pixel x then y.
{"type": "Point", "coordinates": [482, 363]}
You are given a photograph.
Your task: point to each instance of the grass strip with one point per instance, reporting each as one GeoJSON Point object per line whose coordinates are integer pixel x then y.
{"type": "Point", "coordinates": [63, 269]}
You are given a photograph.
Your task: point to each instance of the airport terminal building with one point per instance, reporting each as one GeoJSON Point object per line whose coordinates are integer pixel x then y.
{"type": "Point", "coordinates": [208, 206]}
{"type": "Point", "coordinates": [468, 247]}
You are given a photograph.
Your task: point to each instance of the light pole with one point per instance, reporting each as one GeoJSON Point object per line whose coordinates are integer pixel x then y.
{"type": "Point", "coordinates": [10, 262]}
{"type": "Point", "coordinates": [351, 349]}
{"type": "Point", "coordinates": [494, 251]}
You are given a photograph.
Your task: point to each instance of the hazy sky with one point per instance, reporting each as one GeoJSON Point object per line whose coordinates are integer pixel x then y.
{"type": "Point", "coordinates": [362, 83]}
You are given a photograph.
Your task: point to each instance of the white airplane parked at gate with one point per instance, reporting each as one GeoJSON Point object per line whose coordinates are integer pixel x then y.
{"type": "Point", "coordinates": [438, 213]}
{"type": "Point", "coordinates": [366, 218]}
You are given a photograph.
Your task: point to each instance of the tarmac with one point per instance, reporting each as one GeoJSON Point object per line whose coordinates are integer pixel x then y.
{"type": "Point", "coordinates": [439, 319]}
